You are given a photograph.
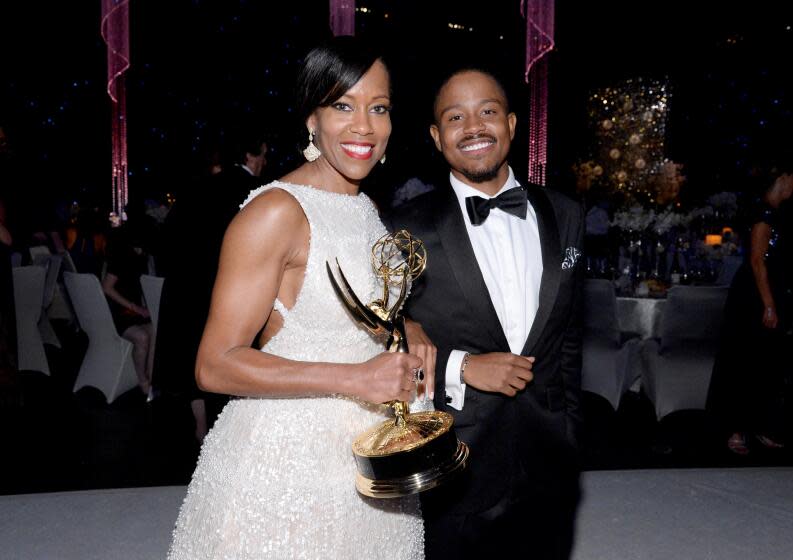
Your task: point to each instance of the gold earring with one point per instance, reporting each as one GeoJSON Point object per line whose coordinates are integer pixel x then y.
{"type": "Point", "coordinates": [311, 152]}
{"type": "Point", "coordinates": [382, 159]}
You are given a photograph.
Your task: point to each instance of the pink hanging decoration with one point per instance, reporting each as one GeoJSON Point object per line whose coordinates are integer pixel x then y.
{"type": "Point", "coordinates": [539, 16]}
{"type": "Point", "coordinates": [115, 32]}
{"type": "Point", "coordinates": [342, 17]}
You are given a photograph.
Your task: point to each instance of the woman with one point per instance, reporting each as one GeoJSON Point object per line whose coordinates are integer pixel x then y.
{"type": "Point", "coordinates": [747, 388]}
{"type": "Point", "coordinates": [126, 262]}
{"type": "Point", "coordinates": [276, 474]}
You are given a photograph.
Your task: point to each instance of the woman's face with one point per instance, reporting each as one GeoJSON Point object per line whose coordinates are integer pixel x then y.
{"type": "Point", "coordinates": [352, 133]}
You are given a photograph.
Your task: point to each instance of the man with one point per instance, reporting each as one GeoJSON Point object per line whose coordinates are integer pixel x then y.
{"type": "Point", "coordinates": [500, 300]}
{"type": "Point", "coordinates": [194, 232]}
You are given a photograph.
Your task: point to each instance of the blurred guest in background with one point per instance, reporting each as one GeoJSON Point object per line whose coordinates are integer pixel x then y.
{"type": "Point", "coordinates": [127, 260]}
{"type": "Point", "coordinates": [8, 348]}
{"type": "Point", "coordinates": [193, 235]}
{"type": "Point", "coordinates": [87, 240]}
{"type": "Point", "coordinates": [747, 388]}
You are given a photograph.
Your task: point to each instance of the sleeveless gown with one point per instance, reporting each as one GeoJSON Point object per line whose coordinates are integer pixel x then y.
{"type": "Point", "coordinates": [275, 478]}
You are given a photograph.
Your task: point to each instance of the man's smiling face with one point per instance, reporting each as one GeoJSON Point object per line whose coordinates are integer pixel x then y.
{"type": "Point", "coordinates": [473, 127]}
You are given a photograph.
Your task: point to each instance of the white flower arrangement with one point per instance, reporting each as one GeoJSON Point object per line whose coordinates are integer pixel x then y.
{"type": "Point", "coordinates": [635, 218]}
{"type": "Point", "coordinates": [669, 219]}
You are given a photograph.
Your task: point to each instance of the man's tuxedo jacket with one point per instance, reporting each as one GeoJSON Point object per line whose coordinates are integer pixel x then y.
{"type": "Point", "coordinates": [521, 447]}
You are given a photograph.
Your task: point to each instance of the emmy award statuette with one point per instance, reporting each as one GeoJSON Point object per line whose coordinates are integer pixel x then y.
{"type": "Point", "coordinates": [413, 452]}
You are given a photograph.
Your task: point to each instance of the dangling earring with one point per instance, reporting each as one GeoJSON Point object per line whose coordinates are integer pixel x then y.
{"type": "Point", "coordinates": [311, 152]}
{"type": "Point", "coordinates": [382, 159]}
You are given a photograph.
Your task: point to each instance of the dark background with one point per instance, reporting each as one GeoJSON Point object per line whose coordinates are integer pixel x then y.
{"type": "Point", "coordinates": [202, 68]}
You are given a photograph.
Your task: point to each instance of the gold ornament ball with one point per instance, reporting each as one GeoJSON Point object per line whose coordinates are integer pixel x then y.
{"type": "Point", "coordinates": [615, 153]}
{"type": "Point", "coordinates": [640, 163]}
{"type": "Point", "coordinates": [607, 124]}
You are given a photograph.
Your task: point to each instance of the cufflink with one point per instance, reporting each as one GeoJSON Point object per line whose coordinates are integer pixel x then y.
{"type": "Point", "coordinates": [448, 399]}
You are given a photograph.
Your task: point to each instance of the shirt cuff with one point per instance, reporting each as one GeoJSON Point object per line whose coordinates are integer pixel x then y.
{"type": "Point", "coordinates": [455, 391]}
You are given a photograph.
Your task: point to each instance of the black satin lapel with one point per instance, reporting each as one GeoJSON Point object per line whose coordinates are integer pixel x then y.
{"type": "Point", "coordinates": [551, 263]}
{"type": "Point", "coordinates": [460, 254]}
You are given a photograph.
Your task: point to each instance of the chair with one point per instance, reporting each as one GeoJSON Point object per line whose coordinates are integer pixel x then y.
{"type": "Point", "coordinates": [61, 307]}
{"type": "Point", "coordinates": [68, 262]}
{"type": "Point", "coordinates": [39, 251]}
{"type": "Point", "coordinates": [152, 290]}
{"type": "Point", "coordinates": [52, 264]}
{"type": "Point", "coordinates": [107, 364]}
{"type": "Point", "coordinates": [610, 366]}
{"type": "Point", "coordinates": [151, 266]}
{"type": "Point", "coordinates": [729, 266]}
{"type": "Point", "coordinates": [678, 366]}
{"type": "Point", "coordinates": [28, 298]}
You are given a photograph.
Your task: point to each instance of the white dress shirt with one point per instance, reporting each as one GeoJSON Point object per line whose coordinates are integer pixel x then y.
{"type": "Point", "coordinates": [509, 255]}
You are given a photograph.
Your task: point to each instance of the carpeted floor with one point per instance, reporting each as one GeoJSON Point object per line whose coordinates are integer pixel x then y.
{"type": "Point", "coordinates": [657, 514]}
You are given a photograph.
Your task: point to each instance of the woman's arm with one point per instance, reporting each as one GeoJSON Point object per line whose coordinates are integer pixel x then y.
{"type": "Point", "coordinates": [760, 237]}
{"type": "Point", "coordinates": [265, 242]}
{"type": "Point", "coordinates": [5, 234]}
{"type": "Point", "coordinates": [109, 287]}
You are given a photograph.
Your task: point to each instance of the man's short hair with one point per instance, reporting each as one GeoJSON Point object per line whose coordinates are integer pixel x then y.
{"type": "Point", "coordinates": [462, 70]}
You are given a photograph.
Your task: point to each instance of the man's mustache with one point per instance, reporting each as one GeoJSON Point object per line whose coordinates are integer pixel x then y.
{"type": "Point", "coordinates": [471, 137]}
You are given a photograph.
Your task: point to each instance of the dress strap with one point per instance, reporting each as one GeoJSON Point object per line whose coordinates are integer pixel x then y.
{"type": "Point", "coordinates": [280, 307]}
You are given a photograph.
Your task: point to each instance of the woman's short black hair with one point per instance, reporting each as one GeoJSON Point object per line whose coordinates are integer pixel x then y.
{"type": "Point", "coordinates": [329, 71]}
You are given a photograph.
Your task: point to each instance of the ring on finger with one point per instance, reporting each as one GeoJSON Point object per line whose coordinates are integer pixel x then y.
{"type": "Point", "coordinates": [418, 375]}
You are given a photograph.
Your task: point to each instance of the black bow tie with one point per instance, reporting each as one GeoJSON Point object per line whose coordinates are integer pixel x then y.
{"type": "Point", "coordinates": [512, 201]}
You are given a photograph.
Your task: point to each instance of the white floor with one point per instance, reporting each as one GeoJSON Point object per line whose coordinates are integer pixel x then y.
{"type": "Point", "coordinates": [719, 514]}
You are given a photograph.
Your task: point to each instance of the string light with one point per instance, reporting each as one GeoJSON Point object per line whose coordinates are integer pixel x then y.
{"type": "Point", "coordinates": [630, 124]}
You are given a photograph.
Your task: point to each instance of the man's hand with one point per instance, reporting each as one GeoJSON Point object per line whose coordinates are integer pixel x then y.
{"type": "Point", "coordinates": [421, 345]}
{"type": "Point", "coordinates": [499, 372]}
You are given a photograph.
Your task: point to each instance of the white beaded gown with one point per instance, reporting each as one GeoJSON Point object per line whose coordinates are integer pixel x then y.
{"type": "Point", "coordinates": [275, 478]}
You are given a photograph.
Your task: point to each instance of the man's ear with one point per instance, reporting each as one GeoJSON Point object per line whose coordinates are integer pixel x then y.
{"type": "Point", "coordinates": [436, 136]}
{"type": "Point", "coordinates": [512, 120]}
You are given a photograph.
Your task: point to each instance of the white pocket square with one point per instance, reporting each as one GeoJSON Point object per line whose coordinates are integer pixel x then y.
{"type": "Point", "coordinates": [571, 255]}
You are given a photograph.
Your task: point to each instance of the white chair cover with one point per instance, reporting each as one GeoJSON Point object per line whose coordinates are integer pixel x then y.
{"type": "Point", "coordinates": [61, 307]}
{"type": "Point", "coordinates": [68, 262]}
{"type": "Point", "coordinates": [52, 263]}
{"type": "Point", "coordinates": [28, 299]}
{"type": "Point", "coordinates": [107, 364]}
{"type": "Point", "coordinates": [152, 290]}
{"type": "Point", "coordinates": [600, 308]}
{"type": "Point", "coordinates": [38, 251]}
{"type": "Point", "coordinates": [609, 368]}
{"type": "Point", "coordinates": [677, 368]}
{"type": "Point", "coordinates": [729, 266]}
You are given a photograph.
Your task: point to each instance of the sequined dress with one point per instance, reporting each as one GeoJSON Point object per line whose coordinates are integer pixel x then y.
{"type": "Point", "coordinates": [275, 478]}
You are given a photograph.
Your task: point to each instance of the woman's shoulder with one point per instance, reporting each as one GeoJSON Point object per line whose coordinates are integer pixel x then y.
{"type": "Point", "coordinates": [275, 192]}
{"type": "Point", "coordinates": [268, 209]}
